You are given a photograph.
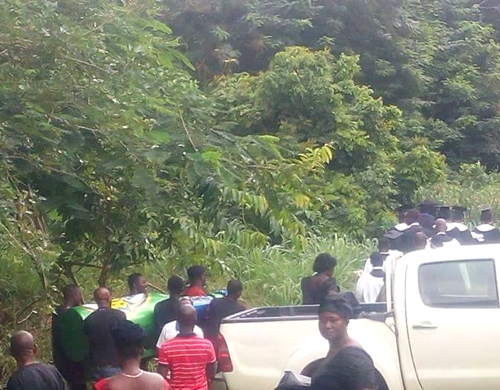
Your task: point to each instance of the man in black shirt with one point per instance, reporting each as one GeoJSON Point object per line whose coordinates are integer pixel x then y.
{"type": "Point", "coordinates": [486, 233]}
{"type": "Point", "coordinates": [220, 308]}
{"type": "Point", "coordinates": [97, 326]}
{"type": "Point", "coordinates": [31, 374]}
{"type": "Point", "coordinates": [166, 311]}
{"type": "Point", "coordinates": [73, 372]}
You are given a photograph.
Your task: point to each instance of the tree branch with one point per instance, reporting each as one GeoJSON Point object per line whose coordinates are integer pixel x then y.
{"type": "Point", "coordinates": [88, 64]}
{"type": "Point", "coordinates": [187, 132]}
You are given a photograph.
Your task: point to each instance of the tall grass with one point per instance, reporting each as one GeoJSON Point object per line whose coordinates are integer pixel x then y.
{"type": "Point", "coordinates": [271, 275]}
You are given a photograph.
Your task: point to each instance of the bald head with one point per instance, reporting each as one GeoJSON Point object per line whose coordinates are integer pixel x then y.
{"type": "Point", "coordinates": [102, 297]}
{"type": "Point", "coordinates": [419, 240]}
{"type": "Point", "coordinates": [185, 301]}
{"type": "Point", "coordinates": [22, 345]}
{"type": "Point", "coordinates": [187, 318]}
{"type": "Point", "coordinates": [440, 225]}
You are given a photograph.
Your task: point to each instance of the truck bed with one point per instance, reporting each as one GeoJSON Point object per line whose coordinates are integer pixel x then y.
{"type": "Point", "coordinates": [291, 313]}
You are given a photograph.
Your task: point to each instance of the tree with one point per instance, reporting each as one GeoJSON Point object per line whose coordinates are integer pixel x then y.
{"type": "Point", "coordinates": [89, 91]}
{"type": "Point", "coordinates": [311, 98]}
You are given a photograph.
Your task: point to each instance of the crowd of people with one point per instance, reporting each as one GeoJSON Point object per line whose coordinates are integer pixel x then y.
{"type": "Point", "coordinates": [427, 227]}
{"type": "Point", "coordinates": [185, 344]}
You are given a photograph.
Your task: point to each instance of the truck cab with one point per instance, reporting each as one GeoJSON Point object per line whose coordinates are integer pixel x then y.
{"type": "Point", "coordinates": [447, 316]}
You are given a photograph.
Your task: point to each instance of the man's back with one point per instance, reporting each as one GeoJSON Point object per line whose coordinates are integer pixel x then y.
{"type": "Point", "coordinates": [218, 309]}
{"type": "Point", "coordinates": [58, 352]}
{"type": "Point", "coordinates": [97, 326]}
{"type": "Point", "coordinates": [369, 285]}
{"type": "Point", "coordinates": [187, 357]}
{"type": "Point", "coordinates": [36, 376]}
{"type": "Point", "coordinates": [165, 312]}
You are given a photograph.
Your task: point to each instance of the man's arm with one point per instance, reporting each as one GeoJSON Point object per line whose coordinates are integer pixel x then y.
{"type": "Point", "coordinates": [211, 371]}
{"type": "Point", "coordinates": [163, 370]}
{"type": "Point", "coordinates": [163, 367]}
{"type": "Point", "coordinates": [211, 362]}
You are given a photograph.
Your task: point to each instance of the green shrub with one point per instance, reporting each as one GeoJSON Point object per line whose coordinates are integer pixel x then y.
{"type": "Point", "coordinates": [472, 186]}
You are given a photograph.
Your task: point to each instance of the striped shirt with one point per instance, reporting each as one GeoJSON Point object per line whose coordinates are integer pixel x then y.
{"type": "Point", "coordinates": [187, 357]}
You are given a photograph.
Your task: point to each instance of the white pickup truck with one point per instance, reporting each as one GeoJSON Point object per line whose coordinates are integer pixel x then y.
{"type": "Point", "coordinates": [441, 331]}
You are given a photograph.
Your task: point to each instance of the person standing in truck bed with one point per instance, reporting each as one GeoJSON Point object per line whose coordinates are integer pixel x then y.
{"type": "Point", "coordinates": [316, 287]}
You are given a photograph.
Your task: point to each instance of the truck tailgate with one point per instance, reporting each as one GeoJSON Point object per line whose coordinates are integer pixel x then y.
{"type": "Point", "coordinates": [260, 350]}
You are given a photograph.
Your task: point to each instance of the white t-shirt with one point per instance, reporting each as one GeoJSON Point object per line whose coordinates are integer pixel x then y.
{"type": "Point", "coordinates": [171, 330]}
{"type": "Point", "coordinates": [368, 287]}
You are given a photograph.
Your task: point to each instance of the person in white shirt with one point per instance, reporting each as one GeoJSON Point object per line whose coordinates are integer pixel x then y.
{"type": "Point", "coordinates": [370, 284]}
{"type": "Point", "coordinates": [387, 254]}
{"type": "Point", "coordinates": [171, 329]}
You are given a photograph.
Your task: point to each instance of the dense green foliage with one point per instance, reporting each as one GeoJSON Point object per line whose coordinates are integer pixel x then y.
{"type": "Point", "coordinates": [438, 61]}
{"type": "Point", "coordinates": [470, 186]}
{"type": "Point", "coordinates": [241, 134]}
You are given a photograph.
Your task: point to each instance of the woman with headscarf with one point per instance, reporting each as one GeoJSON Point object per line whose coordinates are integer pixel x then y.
{"type": "Point", "coordinates": [129, 340]}
{"type": "Point", "coordinates": [316, 287]}
{"type": "Point", "coordinates": [347, 366]}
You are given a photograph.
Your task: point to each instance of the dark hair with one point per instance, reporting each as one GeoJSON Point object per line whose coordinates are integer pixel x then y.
{"type": "Point", "coordinates": [341, 303]}
{"type": "Point", "coordinates": [195, 272]}
{"type": "Point", "coordinates": [486, 216]}
{"type": "Point", "coordinates": [133, 279]}
{"type": "Point", "coordinates": [384, 243]}
{"type": "Point", "coordinates": [412, 215]}
{"type": "Point", "coordinates": [129, 339]}
{"type": "Point", "coordinates": [69, 290]}
{"type": "Point", "coordinates": [234, 287]}
{"type": "Point", "coordinates": [175, 285]}
{"type": "Point", "coordinates": [324, 262]}
{"type": "Point", "coordinates": [376, 259]}
{"type": "Point", "coordinates": [426, 221]}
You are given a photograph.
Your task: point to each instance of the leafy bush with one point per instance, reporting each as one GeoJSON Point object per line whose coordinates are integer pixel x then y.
{"type": "Point", "coordinates": [472, 186]}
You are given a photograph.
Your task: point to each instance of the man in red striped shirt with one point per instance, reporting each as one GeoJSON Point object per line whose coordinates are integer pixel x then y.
{"type": "Point", "coordinates": [189, 358]}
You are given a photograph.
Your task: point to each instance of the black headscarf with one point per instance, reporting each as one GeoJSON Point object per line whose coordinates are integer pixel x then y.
{"type": "Point", "coordinates": [341, 303]}
{"type": "Point", "coordinates": [127, 333]}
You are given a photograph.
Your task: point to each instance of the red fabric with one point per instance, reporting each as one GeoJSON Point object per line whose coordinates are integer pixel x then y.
{"type": "Point", "coordinates": [194, 291]}
{"type": "Point", "coordinates": [102, 384]}
{"type": "Point", "coordinates": [187, 358]}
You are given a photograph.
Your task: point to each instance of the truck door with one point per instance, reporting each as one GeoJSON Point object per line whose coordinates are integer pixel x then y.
{"type": "Point", "coordinates": [453, 323]}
